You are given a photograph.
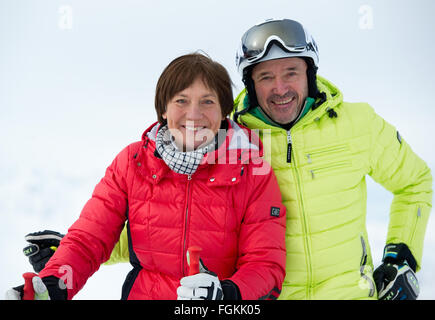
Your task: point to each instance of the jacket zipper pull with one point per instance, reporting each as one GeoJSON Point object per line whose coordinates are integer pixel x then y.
{"type": "Point", "coordinates": [289, 147]}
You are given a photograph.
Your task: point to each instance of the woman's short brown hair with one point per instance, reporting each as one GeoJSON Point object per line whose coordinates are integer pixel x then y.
{"type": "Point", "coordinates": [183, 71]}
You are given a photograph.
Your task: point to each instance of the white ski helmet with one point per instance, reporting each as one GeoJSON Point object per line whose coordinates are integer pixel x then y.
{"type": "Point", "coordinates": [276, 39]}
{"type": "Point", "coordinates": [257, 43]}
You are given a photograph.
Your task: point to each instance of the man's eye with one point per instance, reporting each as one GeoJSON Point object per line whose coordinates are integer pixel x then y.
{"type": "Point", "coordinates": [266, 78]}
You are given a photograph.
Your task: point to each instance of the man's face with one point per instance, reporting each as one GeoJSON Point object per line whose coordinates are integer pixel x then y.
{"type": "Point", "coordinates": [281, 86]}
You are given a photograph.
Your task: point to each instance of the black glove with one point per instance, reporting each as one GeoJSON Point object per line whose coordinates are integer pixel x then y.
{"type": "Point", "coordinates": [48, 288]}
{"type": "Point", "coordinates": [42, 246]}
{"type": "Point", "coordinates": [395, 278]}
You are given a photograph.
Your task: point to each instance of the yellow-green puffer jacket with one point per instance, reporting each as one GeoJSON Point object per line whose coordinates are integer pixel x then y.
{"type": "Point", "coordinates": [324, 190]}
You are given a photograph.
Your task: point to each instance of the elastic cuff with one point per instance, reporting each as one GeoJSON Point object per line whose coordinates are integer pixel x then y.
{"type": "Point", "coordinates": [399, 253]}
{"type": "Point", "coordinates": [230, 290]}
{"type": "Point", "coordinates": [53, 286]}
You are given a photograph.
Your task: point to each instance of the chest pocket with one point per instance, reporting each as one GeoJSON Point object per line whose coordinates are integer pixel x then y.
{"type": "Point", "coordinates": [327, 161]}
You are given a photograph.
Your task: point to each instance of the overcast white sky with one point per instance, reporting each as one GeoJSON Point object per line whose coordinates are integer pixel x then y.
{"type": "Point", "coordinates": [77, 82]}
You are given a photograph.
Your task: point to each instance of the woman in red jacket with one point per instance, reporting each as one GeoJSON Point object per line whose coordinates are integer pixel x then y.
{"type": "Point", "coordinates": [195, 179]}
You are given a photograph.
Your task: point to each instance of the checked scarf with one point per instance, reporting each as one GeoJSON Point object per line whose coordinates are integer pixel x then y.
{"type": "Point", "coordinates": [179, 161]}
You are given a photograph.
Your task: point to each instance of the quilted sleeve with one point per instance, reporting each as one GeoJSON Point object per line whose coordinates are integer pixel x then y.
{"type": "Point", "coordinates": [395, 166]}
{"type": "Point", "coordinates": [90, 240]}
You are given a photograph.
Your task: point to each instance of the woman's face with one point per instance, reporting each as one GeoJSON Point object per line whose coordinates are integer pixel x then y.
{"type": "Point", "coordinates": [194, 116]}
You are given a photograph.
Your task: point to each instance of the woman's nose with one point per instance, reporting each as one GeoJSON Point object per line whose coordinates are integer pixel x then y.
{"type": "Point", "coordinates": [194, 112]}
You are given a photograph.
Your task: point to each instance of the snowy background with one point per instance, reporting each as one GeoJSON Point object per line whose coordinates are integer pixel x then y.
{"type": "Point", "coordinates": [77, 82]}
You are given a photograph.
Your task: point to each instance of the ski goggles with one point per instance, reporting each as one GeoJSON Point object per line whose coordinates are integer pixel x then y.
{"type": "Point", "coordinates": [289, 33]}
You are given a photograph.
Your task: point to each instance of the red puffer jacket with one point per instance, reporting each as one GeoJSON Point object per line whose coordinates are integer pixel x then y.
{"type": "Point", "coordinates": [230, 207]}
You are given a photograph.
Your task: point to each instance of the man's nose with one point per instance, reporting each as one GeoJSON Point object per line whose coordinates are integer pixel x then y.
{"type": "Point", "coordinates": [280, 87]}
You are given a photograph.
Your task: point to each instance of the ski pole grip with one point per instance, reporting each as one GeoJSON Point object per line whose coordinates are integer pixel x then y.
{"type": "Point", "coordinates": [194, 252]}
{"type": "Point", "coordinates": [28, 291]}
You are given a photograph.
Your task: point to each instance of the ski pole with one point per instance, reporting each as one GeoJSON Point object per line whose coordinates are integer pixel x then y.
{"type": "Point", "coordinates": [28, 291]}
{"type": "Point", "coordinates": [194, 252]}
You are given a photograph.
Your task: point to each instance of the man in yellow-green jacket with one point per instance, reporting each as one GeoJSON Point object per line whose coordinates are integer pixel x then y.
{"type": "Point", "coordinates": [321, 149]}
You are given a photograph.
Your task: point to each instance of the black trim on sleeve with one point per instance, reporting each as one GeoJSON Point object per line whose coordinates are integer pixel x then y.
{"type": "Point", "coordinates": [54, 290]}
{"type": "Point", "coordinates": [132, 275]}
{"type": "Point", "coordinates": [230, 290]}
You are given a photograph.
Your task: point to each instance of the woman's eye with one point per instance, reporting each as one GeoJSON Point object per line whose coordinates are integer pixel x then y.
{"type": "Point", "coordinates": [208, 101]}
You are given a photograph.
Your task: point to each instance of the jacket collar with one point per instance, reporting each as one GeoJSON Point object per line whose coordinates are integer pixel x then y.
{"type": "Point", "coordinates": [333, 100]}
{"type": "Point", "coordinates": [223, 166]}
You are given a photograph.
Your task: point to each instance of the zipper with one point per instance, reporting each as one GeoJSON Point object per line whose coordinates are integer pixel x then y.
{"type": "Point", "coordinates": [332, 150]}
{"type": "Point", "coordinates": [415, 224]}
{"type": "Point", "coordinates": [289, 147]}
{"type": "Point", "coordinates": [338, 165]}
{"type": "Point", "coordinates": [305, 226]}
{"type": "Point", "coordinates": [303, 214]}
{"type": "Point", "coordinates": [364, 251]}
{"type": "Point", "coordinates": [309, 159]}
{"type": "Point", "coordinates": [186, 219]}
{"type": "Point", "coordinates": [363, 264]}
